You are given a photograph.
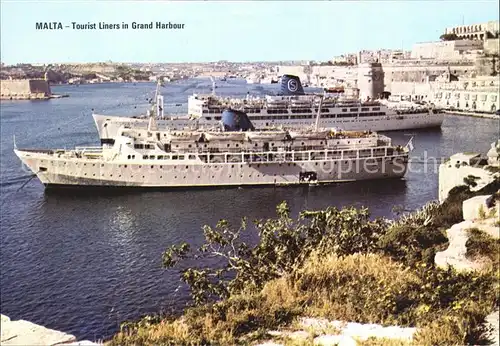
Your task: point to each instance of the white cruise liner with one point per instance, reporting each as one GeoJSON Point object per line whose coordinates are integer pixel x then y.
{"type": "Point", "coordinates": [237, 155]}
{"type": "Point", "coordinates": [292, 109]}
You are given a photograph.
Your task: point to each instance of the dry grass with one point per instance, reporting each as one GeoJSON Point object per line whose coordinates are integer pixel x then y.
{"type": "Point", "coordinates": [383, 342]}
{"type": "Point", "coordinates": [362, 288]}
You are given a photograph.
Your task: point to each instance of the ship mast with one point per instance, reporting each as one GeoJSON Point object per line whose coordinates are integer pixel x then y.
{"type": "Point", "coordinates": [157, 107]}
{"type": "Point", "coordinates": [213, 85]}
{"type": "Point", "coordinates": [316, 125]}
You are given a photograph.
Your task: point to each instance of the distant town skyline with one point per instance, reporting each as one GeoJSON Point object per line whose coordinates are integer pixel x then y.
{"type": "Point", "coordinates": [223, 30]}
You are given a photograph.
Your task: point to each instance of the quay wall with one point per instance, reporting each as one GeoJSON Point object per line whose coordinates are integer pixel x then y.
{"type": "Point", "coordinates": [24, 89]}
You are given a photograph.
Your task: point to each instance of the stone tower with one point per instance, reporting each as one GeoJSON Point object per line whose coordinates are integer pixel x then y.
{"type": "Point", "coordinates": [370, 80]}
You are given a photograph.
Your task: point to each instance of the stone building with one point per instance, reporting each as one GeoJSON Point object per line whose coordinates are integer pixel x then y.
{"type": "Point", "coordinates": [475, 31]}
{"type": "Point", "coordinates": [480, 94]}
{"type": "Point", "coordinates": [445, 50]}
{"type": "Point", "coordinates": [370, 81]}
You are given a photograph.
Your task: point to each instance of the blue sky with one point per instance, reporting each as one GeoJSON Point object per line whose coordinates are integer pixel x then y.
{"type": "Point", "coordinates": [226, 30]}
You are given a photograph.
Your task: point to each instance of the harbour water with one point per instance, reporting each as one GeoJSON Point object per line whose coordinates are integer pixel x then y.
{"type": "Point", "coordinates": [82, 262]}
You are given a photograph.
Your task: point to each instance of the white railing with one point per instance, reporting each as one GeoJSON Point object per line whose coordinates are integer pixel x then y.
{"type": "Point", "coordinates": [89, 149]}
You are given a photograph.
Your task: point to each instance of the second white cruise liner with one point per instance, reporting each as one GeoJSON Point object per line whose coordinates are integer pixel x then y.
{"type": "Point", "coordinates": [291, 109]}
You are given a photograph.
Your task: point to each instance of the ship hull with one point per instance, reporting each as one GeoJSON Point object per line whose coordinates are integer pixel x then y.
{"type": "Point", "coordinates": [108, 126]}
{"type": "Point", "coordinates": [54, 172]}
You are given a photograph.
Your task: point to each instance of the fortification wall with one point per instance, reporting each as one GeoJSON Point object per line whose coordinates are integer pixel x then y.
{"type": "Point", "coordinates": [409, 88]}
{"type": "Point", "coordinates": [487, 66]}
{"type": "Point", "coordinates": [24, 89]}
{"type": "Point", "coordinates": [492, 46]}
{"type": "Point", "coordinates": [39, 86]}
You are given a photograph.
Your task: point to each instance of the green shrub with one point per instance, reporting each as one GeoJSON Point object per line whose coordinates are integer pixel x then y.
{"type": "Point", "coordinates": [282, 247]}
{"type": "Point", "coordinates": [415, 237]}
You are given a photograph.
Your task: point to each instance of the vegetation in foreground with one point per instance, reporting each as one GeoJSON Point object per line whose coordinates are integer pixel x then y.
{"type": "Point", "coordinates": [337, 264]}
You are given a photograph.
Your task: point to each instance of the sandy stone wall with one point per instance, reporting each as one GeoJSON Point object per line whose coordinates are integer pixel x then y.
{"type": "Point", "coordinates": [24, 89]}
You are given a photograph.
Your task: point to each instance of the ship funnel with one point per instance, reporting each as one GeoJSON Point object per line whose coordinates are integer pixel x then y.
{"type": "Point", "coordinates": [234, 120]}
{"type": "Point", "coordinates": [290, 85]}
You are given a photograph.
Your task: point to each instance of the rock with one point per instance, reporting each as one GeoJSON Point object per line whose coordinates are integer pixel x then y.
{"type": "Point", "coordinates": [269, 343]}
{"type": "Point", "coordinates": [26, 333]}
{"type": "Point", "coordinates": [366, 331]}
{"type": "Point", "coordinates": [321, 323]}
{"type": "Point", "coordinates": [459, 166]}
{"type": "Point", "coordinates": [454, 255]}
{"type": "Point", "coordinates": [489, 226]}
{"type": "Point", "coordinates": [476, 208]}
{"type": "Point", "coordinates": [493, 156]}
{"type": "Point", "coordinates": [358, 330]}
{"type": "Point", "coordinates": [332, 340]}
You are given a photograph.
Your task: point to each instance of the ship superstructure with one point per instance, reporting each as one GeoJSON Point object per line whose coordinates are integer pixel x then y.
{"type": "Point", "coordinates": [235, 154]}
{"type": "Point", "coordinates": [291, 109]}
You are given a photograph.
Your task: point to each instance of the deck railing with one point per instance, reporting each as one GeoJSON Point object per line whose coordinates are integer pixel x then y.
{"type": "Point", "coordinates": [94, 150]}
